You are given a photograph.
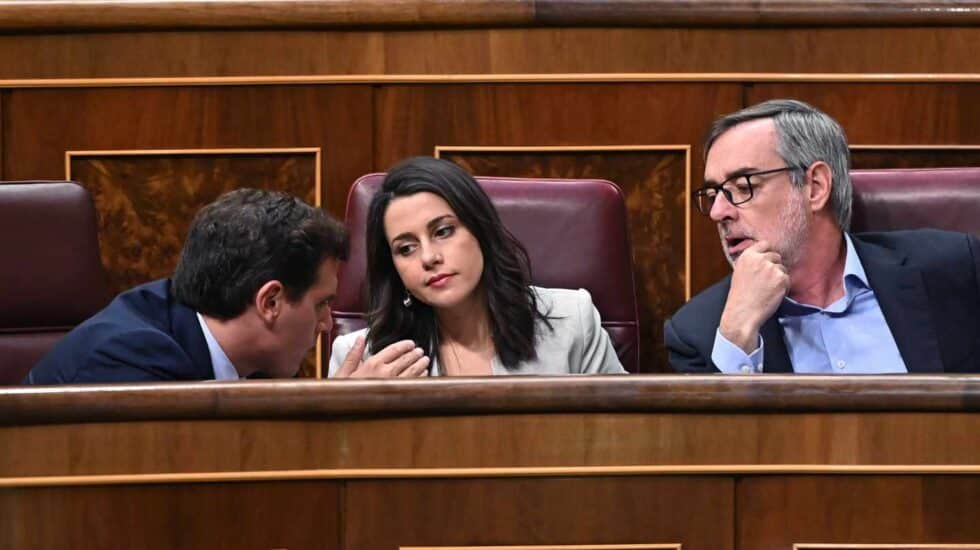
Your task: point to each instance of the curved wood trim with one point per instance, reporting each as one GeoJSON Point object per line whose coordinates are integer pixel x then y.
{"type": "Point", "coordinates": [311, 399]}
{"type": "Point", "coordinates": [74, 15]}
{"type": "Point", "coordinates": [297, 80]}
{"type": "Point", "coordinates": [456, 473]}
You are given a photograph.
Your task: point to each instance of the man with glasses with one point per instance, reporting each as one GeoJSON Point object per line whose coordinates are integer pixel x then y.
{"type": "Point", "coordinates": [805, 295]}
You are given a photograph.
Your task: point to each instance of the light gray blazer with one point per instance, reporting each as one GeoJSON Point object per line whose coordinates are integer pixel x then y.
{"type": "Point", "coordinates": [576, 345]}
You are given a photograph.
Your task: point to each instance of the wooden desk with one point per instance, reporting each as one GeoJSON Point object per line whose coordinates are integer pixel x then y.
{"type": "Point", "coordinates": [710, 463]}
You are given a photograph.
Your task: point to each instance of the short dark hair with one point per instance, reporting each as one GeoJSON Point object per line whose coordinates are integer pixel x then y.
{"type": "Point", "coordinates": [506, 277]}
{"type": "Point", "coordinates": [806, 135]}
{"type": "Point", "coordinates": [247, 238]}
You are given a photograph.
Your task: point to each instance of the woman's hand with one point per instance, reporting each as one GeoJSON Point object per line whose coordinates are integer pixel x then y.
{"type": "Point", "coordinates": [401, 359]}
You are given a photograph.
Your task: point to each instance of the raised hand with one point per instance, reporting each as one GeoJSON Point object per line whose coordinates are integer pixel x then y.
{"type": "Point", "coordinates": [759, 283]}
{"type": "Point", "coordinates": [401, 359]}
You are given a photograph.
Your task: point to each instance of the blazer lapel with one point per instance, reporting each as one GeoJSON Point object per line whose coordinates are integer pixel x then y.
{"type": "Point", "coordinates": [901, 294]}
{"type": "Point", "coordinates": [776, 356]}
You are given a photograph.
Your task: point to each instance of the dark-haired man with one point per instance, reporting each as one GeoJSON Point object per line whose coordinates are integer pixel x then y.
{"type": "Point", "coordinates": [805, 295]}
{"type": "Point", "coordinates": [251, 293]}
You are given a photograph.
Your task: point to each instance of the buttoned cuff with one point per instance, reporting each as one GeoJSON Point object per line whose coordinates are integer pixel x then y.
{"type": "Point", "coordinates": [730, 359]}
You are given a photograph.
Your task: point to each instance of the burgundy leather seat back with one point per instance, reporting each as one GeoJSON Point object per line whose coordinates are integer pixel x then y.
{"type": "Point", "coordinates": [52, 277]}
{"type": "Point", "coordinates": [574, 231]}
{"type": "Point", "coordinates": [940, 198]}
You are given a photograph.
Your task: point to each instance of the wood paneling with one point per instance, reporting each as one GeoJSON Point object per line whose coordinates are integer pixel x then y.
{"type": "Point", "coordinates": [890, 114]}
{"type": "Point", "coordinates": [146, 201]}
{"type": "Point", "coordinates": [694, 511]}
{"type": "Point", "coordinates": [654, 183]}
{"type": "Point", "coordinates": [297, 515]}
{"type": "Point", "coordinates": [680, 51]}
{"type": "Point", "coordinates": [856, 510]}
{"type": "Point", "coordinates": [490, 441]}
{"type": "Point", "coordinates": [412, 120]}
{"type": "Point", "coordinates": [898, 157]}
{"type": "Point", "coordinates": [43, 124]}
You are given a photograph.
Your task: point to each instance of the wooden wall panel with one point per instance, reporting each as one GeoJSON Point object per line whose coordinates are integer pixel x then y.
{"type": "Point", "coordinates": [43, 124]}
{"type": "Point", "coordinates": [891, 114]}
{"type": "Point", "coordinates": [898, 157]}
{"type": "Point", "coordinates": [501, 51]}
{"type": "Point", "coordinates": [294, 515]}
{"type": "Point", "coordinates": [654, 183]}
{"type": "Point", "coordinates": [146, 202]}
{"type": "Point", "coordinates": [412, 120]}
{"type": "Point", "coordinates": [856, 510]}
{"type": "Point", "coordinates": [694, 511]}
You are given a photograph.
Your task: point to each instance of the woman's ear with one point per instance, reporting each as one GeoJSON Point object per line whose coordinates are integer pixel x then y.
{"type": "Point", "coordinates": [269, 301]}
{"type": "Point", "coordinates": [821, 180]}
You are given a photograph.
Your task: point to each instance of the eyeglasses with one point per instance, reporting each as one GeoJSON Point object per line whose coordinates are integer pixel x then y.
{"type": "Point", "coordinates": [737, 189]}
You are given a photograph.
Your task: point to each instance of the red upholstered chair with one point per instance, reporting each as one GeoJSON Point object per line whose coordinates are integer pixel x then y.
{"type": "Point", "coordinates": [940, 198]}
{"type": "Point", "coordinates": [574, 231]}
{"type": "Point", "coordinates": [51, 278]}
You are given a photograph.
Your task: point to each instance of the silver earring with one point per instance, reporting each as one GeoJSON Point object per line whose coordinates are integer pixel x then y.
{"type": "Point", "coordinates": [407, 302]}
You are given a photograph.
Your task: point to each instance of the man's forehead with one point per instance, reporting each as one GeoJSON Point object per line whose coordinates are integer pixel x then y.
{"type": "Point", "coordinates": [752, 144]}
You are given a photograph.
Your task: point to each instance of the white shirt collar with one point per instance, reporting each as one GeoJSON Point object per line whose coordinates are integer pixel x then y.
{"type": "Point", "coordinates": [223, 368]}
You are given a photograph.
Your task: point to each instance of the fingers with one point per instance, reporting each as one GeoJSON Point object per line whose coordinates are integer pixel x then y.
{"type": "Point", "coordinates": [419, 368]}
{"type": "Point", "coordinates": [394, 351]}
{"type": "Point", "coordinates": [353, 359]}
{"type": "Point", "coordinates": [403, 362]}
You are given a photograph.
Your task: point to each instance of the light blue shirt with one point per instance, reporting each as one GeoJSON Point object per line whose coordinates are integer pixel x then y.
{"type": "Point", "coordinates": [223, 368]}
{"type": "Point", "coordinates": [850, 336]}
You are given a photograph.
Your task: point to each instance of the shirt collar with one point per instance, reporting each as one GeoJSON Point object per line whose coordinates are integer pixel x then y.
{"type": "Point", "coordinates": [223, 367]}
{"type": "Point", "coordinates": [854, 280]}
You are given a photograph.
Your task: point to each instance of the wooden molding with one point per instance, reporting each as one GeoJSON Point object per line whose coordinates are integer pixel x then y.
{"type": "Point", "coordinates": [457, 473]}
{"type": "Point", "coordinates": [74, 15]}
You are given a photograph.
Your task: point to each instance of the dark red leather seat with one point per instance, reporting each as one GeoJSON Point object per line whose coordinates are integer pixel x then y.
{"type": "Point", "coordinates": [51, 278]}
{"type": "Point", "coordinates": [940, 198]}
{"type": "Point", "coordinates": [574, 231]}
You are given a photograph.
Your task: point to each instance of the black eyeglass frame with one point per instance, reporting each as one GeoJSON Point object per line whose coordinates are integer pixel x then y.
{"type": "Point", "coordinates": [703, 190]}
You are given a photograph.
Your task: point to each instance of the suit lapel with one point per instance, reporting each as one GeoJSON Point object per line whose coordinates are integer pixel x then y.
{"type": "Point", "coordinates": [901, 294]}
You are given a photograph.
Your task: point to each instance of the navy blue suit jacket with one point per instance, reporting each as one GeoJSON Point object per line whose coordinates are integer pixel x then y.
{"type": "Point", "coordinates": [927, 283]}
{"type": "Point", "coordinates": [144, 334]}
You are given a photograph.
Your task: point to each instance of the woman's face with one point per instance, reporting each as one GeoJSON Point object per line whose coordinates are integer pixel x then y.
{"type": "Point", "coordinates": [438, 259]}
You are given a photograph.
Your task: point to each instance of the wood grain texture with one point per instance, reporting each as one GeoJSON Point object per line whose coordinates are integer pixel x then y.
{"type": "Point", "coordinates": [898, 157]}
{"type": "Point", "coordinates": [654, 183]}
{"type": "Point", "coordinates": [895, 114]}
{"type": "Point", "coordinates": [856, 510]}
{"type": "Point", "coordinates": [541, 512]}
{"type": "Point", "coordinates": [468, 424]}
{"type": "Point", "coordinates": [58, 15]}
{"type": "Point", "coordinates": [412, 120]}
{"type": "Point", "coordinates": [297, 515]}
{"type": "Point", "coordinates": [498, 51]}
{"type": "Point", "coordinates": [43, 124]}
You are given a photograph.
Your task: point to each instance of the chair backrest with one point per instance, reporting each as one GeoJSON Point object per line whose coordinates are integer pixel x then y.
{"type": "Point", "coordinates": [940, 198]}
{"type": "Point", "coordinates": [52, 277]}
{"type": "Point", "coordinates": [575, 234]}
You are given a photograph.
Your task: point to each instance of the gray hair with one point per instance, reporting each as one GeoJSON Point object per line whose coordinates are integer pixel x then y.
{"type": "Point", "coordinates": [806, 135]}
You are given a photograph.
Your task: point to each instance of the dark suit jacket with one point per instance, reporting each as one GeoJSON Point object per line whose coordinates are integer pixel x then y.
{"type": "Point", "coordinates": [144, 334]}
{"type": "Point", "coordinates": [927, 283]}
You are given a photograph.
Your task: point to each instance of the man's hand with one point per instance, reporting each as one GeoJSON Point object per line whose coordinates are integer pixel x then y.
{"type": "Point", "coordinates": [759, 283]}
{"type": "Point", "coordinates": [401, 359]}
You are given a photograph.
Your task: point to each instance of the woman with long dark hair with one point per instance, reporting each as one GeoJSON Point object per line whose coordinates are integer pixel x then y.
{"type": "Point", "coordinates": [450, 290]}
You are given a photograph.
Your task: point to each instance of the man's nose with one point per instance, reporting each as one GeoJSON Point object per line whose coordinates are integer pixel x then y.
{"type": "Point", "coordinates": [722, 209]}
{"type": "Point", "coordinates": [326, 320]}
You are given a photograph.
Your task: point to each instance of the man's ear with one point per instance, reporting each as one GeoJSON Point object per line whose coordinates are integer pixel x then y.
{"type": "Point", "coordinates": [269, 301]}
{"type": "Point", "coordinates": [821, 180]}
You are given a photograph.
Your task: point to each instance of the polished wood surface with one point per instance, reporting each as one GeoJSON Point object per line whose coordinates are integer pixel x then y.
{"type": "Point", "coordinates": [61, 15]}
{"type": "Point", "coordinates": [704, 462]}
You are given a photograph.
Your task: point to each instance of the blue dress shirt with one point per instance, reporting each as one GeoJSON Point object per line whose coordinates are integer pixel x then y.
{"type": "Point", "coordinates": [223, 367]}
{"type": "Point", "coordinates": [850, 336]}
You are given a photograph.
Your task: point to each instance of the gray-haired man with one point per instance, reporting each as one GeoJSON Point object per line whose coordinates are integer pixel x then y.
{"type": "Point", "coordinates": [805, 295]}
